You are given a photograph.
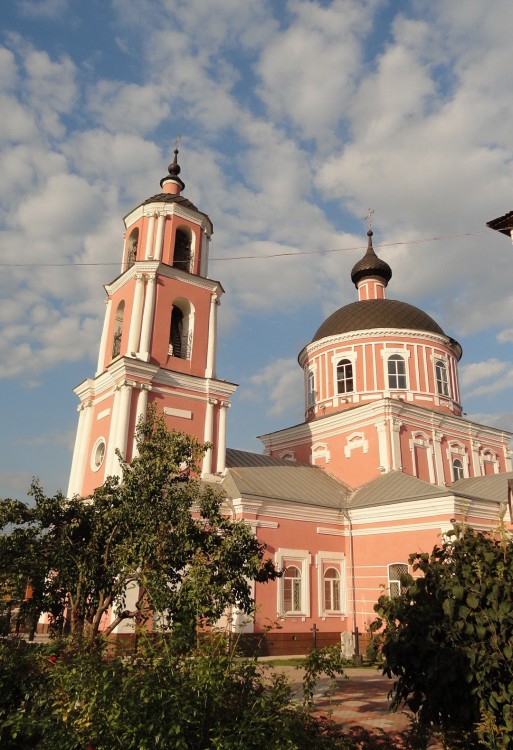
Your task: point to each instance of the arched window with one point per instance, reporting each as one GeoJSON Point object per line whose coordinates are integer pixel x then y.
{"type": "Point", "coordinates": [310, 389]}
{"type": "Point", "coordinates": [118, 330]}
{"type": "Point", "coordinates": [442, 380]}
{"type": "Point", "coordinates": [332, 590]}
{"type": "Point", "coordinates": [182, 254]}
{"type": "Point", "coordinates": [395, 572]}
{"type": "Point", "coordinates": [181, 330]}
{"type": "Point", "coordinates": [396, 372]}
{"type": "Point", "coordinates": [292, 589]}
{"type": "Point", "coordinates": [457, 469]}
{"type": "Point", "coordinates": [345, 376]}
{"type": "Point", "coordinates": [133, 242]}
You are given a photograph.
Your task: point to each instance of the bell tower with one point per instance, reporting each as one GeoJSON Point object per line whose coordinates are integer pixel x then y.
{"type": "Point", "coordinates": [158, 343]}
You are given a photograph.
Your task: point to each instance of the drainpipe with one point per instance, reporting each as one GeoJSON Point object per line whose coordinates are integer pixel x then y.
{"type": "Point", "coordinates": [347, 516]}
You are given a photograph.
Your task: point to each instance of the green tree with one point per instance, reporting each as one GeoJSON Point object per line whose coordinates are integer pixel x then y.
{"type": "Point", "coordinates": [158, 533]}
{"type": "Point", "coordinates": [449, 639]}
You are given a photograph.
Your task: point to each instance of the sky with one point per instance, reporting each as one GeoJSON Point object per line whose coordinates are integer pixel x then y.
{"type": "Point", "coordinates": [295, 117]}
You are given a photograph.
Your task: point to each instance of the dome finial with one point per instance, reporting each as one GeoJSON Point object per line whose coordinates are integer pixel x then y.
{"type": "Point", "coordinates": [172, 183]}
{"type": "Point", "coordinates": [370, 265]}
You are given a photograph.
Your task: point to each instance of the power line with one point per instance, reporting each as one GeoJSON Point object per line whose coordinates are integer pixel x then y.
{"type": "Point", "coordinates": [291, 253]}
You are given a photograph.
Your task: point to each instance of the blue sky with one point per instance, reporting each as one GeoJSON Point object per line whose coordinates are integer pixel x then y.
{"type": "Point", "coordinates": [295, 117]}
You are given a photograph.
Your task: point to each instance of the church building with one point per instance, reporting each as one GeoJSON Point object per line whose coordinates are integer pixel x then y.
{"type": "Point", "coordinates": [383, 463]}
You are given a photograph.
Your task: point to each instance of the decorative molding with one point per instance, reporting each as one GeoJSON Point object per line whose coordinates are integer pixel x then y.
{"type": "Point", "coordinates": [183, 413]}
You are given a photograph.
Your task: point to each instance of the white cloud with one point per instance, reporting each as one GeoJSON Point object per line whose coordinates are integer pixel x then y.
{"type": "Point", "coordinates": [475, 372]}
{"type": "Point", "coordinates": [47, 9]}
{"type": "Point", "coordinates": [505, 336]}
{"type": "Point", "coordinates": [278, 384]}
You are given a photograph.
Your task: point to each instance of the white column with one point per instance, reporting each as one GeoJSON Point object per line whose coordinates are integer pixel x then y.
{"type": "Point", "coordinates": [80, 450]}
{"type": "Point", "coordinates": [103, 340]}
{"type": "Point", "coordinates": [123, 259]}
{"type": "Point", "coordinates": [142, 405]}
{"type": "Point", "coordinates": [476, 463]}
{"type": "Point", "coordinates": [212, 338]}
{"type": "Point", "coordinates": [147, 320]}
{"type": "Point", "coordinates": [439, 464]}
{"type": "Point", "coordinates": [149, 238]}
{"type": "Point", "coordinates": [111, 445]}
{"type": "Point", "coordinates": [160, 234]}
{"type": "Point", "coordinates": [431, 468]}
{"type": "Point", "coordinates": [123, 422]}
{"type": "Point", "coordinates": [221, 438]}
{"type": "Point", "coordinates": [209, 433]}
{"type": "Point", "coordinates": [508, 453]}
{"type": "Point", "coordinates": [205, 241]}
{"type": "Point", "coordinates": [135, 321]}
{"type": "Point", "coordinates": [381, 428]}
{"type": "Point", "coordinates": [396, 444]}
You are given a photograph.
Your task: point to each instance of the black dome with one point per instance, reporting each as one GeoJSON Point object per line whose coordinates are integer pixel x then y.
{"type": "Point", "coordinates": [377, 313]}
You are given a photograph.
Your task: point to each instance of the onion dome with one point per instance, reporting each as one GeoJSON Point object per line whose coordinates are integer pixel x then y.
{"type": "Point", "coordinates": [370, 265]}
{"type": "Point", "coordinates": [174, 171]}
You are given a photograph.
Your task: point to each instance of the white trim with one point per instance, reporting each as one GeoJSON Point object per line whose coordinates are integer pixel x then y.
{"type": "Point", "coordinates": [94, 466]}
{"type": "Point", "coordinates": [283, 558]}
{"type": "Point", "coordinates": [335, 560]}
{"type": "Point", "coordinates": [183, 413]}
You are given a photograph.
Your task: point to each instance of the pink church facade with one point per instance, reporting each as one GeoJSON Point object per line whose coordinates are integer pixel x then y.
{"type": "Point", "coordinates": [383, 462]}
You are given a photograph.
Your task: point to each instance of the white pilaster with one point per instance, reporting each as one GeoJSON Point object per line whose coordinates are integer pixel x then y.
{"type": "Point", "coordinates": [476, 460]}
{"type": "Point", "coordinates": [80, 450]}
{"type": "Point", "coordinates": [508, 453]}
{"type": "Point", "coordinates": [135, 322]}
{"type": "Point", "coordinates": [149, 238]}
{"type": "Point", "coordinates": [125, 390]}
{"type": "Point", "coordinates": [205, 243]}
{"type": "Point", "coordinates": [147, 319]}
{"type": "Point", "coordinates": [396, 425]}
{"type": "Point", "coordinates": [160, 234]}
{"type": "Point", "coordinates": [221, 438]}
{"type": "Point", "coordinates": [103, 341]}
{"type": "Point", "coordinates": [111, 445]}
{"type": "Point", "coordinates": [123, 257]}
{"type": "Point", "coordinates": [142, 405]}
{"type": "Point", "coordinates": [212, 338]}
{"type": "Point", "coordinates": [209, 434]}
{"type": "Point", "coordinates": [384, 460]}
{"type": "Point", "coordinates": [439, 464]}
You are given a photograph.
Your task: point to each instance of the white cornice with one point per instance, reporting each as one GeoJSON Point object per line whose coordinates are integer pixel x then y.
{"type": "Point", "coordinates": [367, 413]}
{"type": "Point", "coordinates": [169, 272]}
{"type": "Point", "coordinates": [383, 334]}
{"type": "Point", "coordinates": [140, 371]}
{"type": "Point", "coordinates": [169, 209]}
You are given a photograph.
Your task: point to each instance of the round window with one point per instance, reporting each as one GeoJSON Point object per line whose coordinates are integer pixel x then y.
{"type": "Point", "coordinates": [98, 454]}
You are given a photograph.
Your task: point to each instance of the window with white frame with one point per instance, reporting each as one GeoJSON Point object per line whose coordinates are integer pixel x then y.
{"type": "Point", "coordinates": [442, 378]}
{"type": "Point", "coordinates": [331, 583]}
{"type": "Point", "coordinates": [395, 573]}
{"type": "Point", "coordinates": [293, 587]}
{"type": "Point", "coordinates": [331, 590]}
{"type": "Point", "coordinates": [396, 372]}
{"type": "Point", "coordinates": [292, 590]}
{"type": "Point", "coordinates": [345, 381]}
{"type": "Point", "coordinates": [457, 469]}
{"type": "Point", "coordinates": [310, 389]}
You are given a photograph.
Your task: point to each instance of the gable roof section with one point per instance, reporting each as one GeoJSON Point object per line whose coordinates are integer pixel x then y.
{"type": "Point", "coordinates": [394, 487]}
{"type": "Point", "coordinates": [494, 487]}
{"type": "Point", "coordinates": [259, 476]}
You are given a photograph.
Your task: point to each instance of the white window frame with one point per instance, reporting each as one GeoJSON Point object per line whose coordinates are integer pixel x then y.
{"type": "Point", "coordinates": [324, 561]}
{"type": "Point", "coordinates": [319, 450]}
{"type": "Point", "coordinates": [386, 355]}
{"type": "Point", "coordinates": [456, 450]}
{"type": "Point", "coordinates": [94, 465]}
{"type": "Point", "coordinates": [354, 441]}
{"type": "Point", "coordinates": [345, 362]}
{"type": "Point", "coordinates": [396, 580]}
{"type": "Point", "coordinates": [441, 383]}
{"type": "Point", "coordinates": [310, 389]}
{"type": "Point", "coordinates": [300, 558]}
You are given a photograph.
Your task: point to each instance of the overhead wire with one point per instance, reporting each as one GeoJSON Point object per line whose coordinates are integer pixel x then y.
{"type": "Point", "coordinates": [291, 253]}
